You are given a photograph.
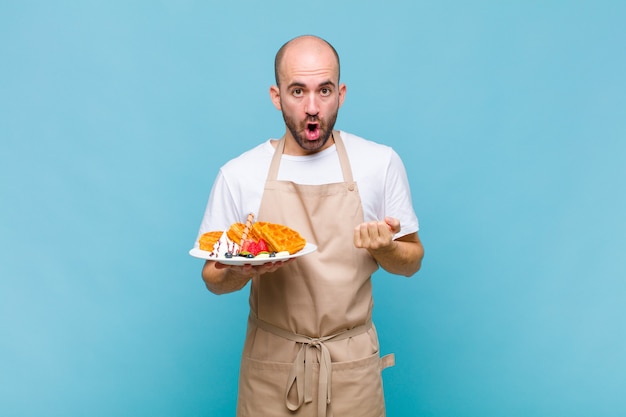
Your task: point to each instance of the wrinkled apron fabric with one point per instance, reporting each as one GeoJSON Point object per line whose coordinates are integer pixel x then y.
{"type": "Point", "coordinates": [311, 348]}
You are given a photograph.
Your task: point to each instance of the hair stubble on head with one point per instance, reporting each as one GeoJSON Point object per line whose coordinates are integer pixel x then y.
{"type": "Point", "coordinates": [281, 53]}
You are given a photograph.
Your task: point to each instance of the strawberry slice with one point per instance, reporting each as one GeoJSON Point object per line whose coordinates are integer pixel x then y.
{"type": "Point", "coordinates": [262, 246]}
{"type": "Point", "coordinates": [253, 248]}
{"type": "Point", "coordinates": [250, 246]}
{"type": "Point", "coordinates": [245, 246]}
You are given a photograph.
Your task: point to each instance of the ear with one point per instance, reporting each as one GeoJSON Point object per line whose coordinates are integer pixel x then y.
{"type": "Point", "coordinates": [342, 93]}
{"type": "Point", "coordinates": [275, 96]}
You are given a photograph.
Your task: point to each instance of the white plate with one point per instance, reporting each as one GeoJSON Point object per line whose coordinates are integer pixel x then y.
{"type": "Point", "coordinates": [240, 260]}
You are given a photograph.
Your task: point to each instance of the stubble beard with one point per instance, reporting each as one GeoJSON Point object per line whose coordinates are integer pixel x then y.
{"type": "Point", "coordinates": [297, 128]}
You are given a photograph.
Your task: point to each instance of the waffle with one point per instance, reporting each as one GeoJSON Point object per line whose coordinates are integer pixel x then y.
{"type": "Point", "coordinates": [235, 232]}
{"type": "Point", "coordinates": [207, 240]}
{"type": "Point", "coordinates": [279, 238]}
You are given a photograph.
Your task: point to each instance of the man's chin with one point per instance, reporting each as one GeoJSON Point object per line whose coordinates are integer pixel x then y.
{"type": "Point", "coordinates": [311, 145]}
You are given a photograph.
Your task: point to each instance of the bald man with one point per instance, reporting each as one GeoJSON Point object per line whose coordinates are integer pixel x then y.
{"type": "Point", "coordinates": [311, 348]}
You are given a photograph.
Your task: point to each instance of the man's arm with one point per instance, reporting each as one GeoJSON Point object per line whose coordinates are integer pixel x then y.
{"type": "Point", "coordinates": [402, 256]}
{"type": "Point", "coordinates": [224, 279]}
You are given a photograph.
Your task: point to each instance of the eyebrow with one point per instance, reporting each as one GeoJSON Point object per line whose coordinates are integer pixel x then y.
{"type": "Point", "coordinates": [322, 84]}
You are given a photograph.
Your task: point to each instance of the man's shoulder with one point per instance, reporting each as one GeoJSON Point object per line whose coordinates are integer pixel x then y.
{"type": "Point", "coordinates": [360, 145]}
{"type": "Point", "coordinates": [252, 158]}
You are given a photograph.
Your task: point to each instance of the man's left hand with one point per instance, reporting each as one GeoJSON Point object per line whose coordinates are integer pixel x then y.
{"type": "Point", "coordinates": [376, 235]}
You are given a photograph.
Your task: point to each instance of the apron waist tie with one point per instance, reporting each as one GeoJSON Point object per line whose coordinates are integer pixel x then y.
{"type": "Point", "coordinates": [301, 374]}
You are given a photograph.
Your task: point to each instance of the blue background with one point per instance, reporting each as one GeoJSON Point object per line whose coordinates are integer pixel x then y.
{"type": "Point", "coordinates": [510, 117]}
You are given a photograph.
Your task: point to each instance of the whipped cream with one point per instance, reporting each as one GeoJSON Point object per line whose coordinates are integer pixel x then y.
{"type": "Point", "coordinates": [224, 245]}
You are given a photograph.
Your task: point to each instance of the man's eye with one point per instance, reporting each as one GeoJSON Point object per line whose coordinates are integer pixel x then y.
{"type": "Point", "coordinates": [297, 92]}
{"type": "Point", "coordinates": [325, 92]}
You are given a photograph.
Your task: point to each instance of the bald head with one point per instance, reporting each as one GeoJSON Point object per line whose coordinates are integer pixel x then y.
{"type": "Point", "coordinates": [307, 42]}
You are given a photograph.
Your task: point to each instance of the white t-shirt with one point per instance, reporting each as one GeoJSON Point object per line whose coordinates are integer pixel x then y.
{"type": "Point", "coordinates": [377, 169]}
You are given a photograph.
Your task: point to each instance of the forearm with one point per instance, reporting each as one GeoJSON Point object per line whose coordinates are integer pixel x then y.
{"type": "Point", "coordinates": [222, 279]}
{"type": "Point", "coordinates": [403, 257]}
{"type": "Point", "coordinates": [226, 280]}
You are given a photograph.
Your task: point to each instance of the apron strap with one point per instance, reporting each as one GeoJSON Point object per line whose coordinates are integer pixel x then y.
{"type": "Point", "coordinates": [301, 374]}
{"type": "Point", "coordinates": [344, 161]}
{"type": "Point", "coordinates": [343, 157]}
{"type": "Point", "coordinates": [387, 361]}
{"type": "Point", "coordinates": [278, 153]}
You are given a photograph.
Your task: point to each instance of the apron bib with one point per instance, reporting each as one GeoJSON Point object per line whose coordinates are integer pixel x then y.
{"type": "Point", "coordinates": [311, 348]}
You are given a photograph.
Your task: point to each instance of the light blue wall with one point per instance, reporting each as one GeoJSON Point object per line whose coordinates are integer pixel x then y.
{"type": "Point", "coordinates": [511, 120]}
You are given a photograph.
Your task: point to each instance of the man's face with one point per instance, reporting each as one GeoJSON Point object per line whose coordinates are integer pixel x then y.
{"type": "Point", "coordinates": [309, 96]}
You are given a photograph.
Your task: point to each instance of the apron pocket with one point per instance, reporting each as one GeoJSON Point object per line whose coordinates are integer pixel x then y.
{"type": "Point", "coordinates": [262, 387]}
{"type": "Point", "coordinates": [357, 388]}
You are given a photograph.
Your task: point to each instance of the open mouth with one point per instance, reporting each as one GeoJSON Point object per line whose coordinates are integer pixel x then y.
{"type": "Point", "coordinates": [312, 131]}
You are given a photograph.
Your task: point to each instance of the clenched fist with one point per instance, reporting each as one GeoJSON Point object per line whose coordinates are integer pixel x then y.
{"type": "Point", "coordinates": [376, 235]}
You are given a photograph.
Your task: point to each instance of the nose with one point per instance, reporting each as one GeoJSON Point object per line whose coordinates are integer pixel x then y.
{"type": "Point", "coordinates": [312, 107]}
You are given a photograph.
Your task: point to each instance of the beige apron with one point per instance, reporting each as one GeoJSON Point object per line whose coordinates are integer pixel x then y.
{"type": "Point", "coordinates": [311, 348]}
